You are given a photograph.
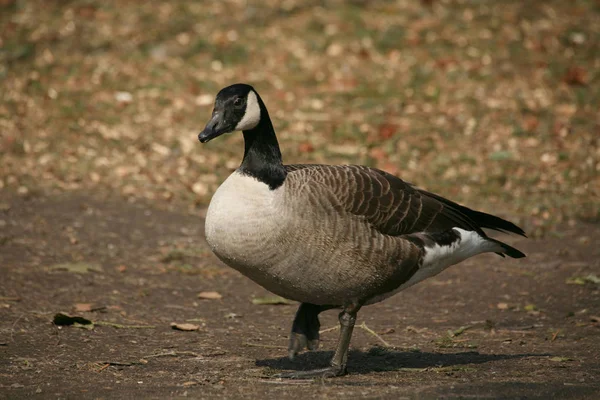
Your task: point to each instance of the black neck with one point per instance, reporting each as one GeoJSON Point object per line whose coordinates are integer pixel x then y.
{"type": "Point", "coordinates": [262, 157]}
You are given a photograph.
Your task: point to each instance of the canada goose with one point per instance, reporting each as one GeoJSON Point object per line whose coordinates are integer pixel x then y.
{"type": "Point", "coordinates": [330, 236]}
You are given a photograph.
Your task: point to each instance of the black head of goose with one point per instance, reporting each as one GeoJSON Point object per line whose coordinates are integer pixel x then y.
{"type": "Point", "coordinates": [330, 236]}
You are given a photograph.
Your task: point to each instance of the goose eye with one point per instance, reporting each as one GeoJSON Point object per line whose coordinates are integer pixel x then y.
{"type": "Point", "coordinates": [238, 102]}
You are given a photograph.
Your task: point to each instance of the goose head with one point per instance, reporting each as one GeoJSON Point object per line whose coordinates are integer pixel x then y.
{"type": "Point", "coordinates": [237, 108]}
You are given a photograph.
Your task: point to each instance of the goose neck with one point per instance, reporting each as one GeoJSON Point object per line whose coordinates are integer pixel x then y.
{"type": "Point", "coordinates": [262, 156]}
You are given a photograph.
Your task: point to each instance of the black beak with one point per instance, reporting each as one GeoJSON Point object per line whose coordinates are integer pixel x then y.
{"type": "Point", "coordinates": [213, 129]}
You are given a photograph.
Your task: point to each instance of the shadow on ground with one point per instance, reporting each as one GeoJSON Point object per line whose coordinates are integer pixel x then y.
{"type": "Point", "coordinates": [378, 359]}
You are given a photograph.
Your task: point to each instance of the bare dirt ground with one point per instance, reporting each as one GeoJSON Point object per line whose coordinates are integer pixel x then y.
{"type": "Point", "coordinates": [488, 328]}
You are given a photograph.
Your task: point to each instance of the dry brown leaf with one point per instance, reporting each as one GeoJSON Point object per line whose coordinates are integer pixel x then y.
{"type": "Point", "coordinates": [386, 131]}
{"type": "Point", "coordinates": [83, 307]}
{"type": "Point", "coordinates": [530, 123]}
{"type": "Point", "coordinates": [306, 147]}
{"type": "Point", "coordinates": [185, 327]}
{"type": "Point", "coordinates": [210, 295]}
{"type": "Point", "coordinates": [502, 306]}
{"type": "Point", "coordinates": [576, 76]}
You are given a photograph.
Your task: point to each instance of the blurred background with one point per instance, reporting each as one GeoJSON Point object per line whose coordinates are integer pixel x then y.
{"type": "Point", "coordinates": [491, 103]}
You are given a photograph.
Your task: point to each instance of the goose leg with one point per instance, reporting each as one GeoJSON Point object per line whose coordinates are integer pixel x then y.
{"type": "Point", "coordinates": [338, 363]}
{"type": "Point", "coordinates": [305, 328]}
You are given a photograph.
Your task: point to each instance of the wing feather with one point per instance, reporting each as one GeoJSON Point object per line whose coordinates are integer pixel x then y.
{"type": "Point", "coordinates": [395, 207]}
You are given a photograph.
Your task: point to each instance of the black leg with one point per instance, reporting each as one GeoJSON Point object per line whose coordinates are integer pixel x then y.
{"type": "Point", "coordinates": [338, 362]}
{"type": "Point", "coordinates": [305, 329]}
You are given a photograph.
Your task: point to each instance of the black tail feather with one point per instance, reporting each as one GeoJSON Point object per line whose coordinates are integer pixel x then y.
{"type": "Point", "coordinates": [482, 219]}
{"type": "Point", "coordinates": [508, 250]}
{"type": "Point", "coordinates": [492, 222]}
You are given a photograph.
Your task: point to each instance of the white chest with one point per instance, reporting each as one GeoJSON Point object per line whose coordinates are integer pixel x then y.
{"type": "Point", "coordinates": [243, 219]}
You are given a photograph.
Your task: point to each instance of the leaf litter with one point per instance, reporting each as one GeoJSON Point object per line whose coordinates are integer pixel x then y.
{"type": "Point", "coordinates": [184, 326]}
{"type": "Point", "coordinates": [77, 268]}
{"type": "Point", "coordinates": [582, 280]}
{"type": "Point", "coordinates": [210, 295]}
{"type": "Point", "coordinates": [529, 144]}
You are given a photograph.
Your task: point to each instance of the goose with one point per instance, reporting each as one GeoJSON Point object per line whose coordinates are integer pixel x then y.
{"type": "Point", "coordinates": [330, 236]}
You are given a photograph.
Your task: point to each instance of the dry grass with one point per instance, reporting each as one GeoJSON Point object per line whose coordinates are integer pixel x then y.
{"type": "Point", "coordinates": [494, 104]}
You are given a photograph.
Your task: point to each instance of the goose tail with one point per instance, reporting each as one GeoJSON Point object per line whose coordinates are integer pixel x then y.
{"type": "Point", "coordinates": [450, 247]}
{"type": "Point", "coordinates": [507, 250]}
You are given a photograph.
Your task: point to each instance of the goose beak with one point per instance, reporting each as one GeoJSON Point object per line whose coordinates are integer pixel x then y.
{"type": "Point", "coordinates": [213, 129]}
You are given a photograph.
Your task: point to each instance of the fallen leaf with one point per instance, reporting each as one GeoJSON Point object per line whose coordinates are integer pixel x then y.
{"type": "Point", "coordinates": [386, 131]}
{"type": "Point", "coordinates": [530, 123]}
{"type": "Point", "coordinates": [83, 307]}
{"type": "Point", "coordinates": [575, 76]}
{"type": "Point", "coordinates": [582, 280]}
{"type": "Point", "coordinates": [185, 327]}
{"type": "Point", "coordinates": [76, 268]}
{"type": "Point", "coordinates": [121, 268]}
{"type": "Point", "coordinates": [575, 280]}
{"type": "Point", "coordinates": [271, 300]}
{"type": "Point", "coordinates": [306, 147]}
{"type": "Point", "coordinates": [530, 307]}
{"type": "Point", "coordinates": [210, 295]}
{"type": "Point", "coordinates": [502, 306]}
{"type": "Point", "coordinates": [459, 331]}
{"type": "Point", "coordinates": [592, 279]}
{"type": "Point", "coordinates": [62, 319]}
{"type": "Point", "coordinates": [123, 97]}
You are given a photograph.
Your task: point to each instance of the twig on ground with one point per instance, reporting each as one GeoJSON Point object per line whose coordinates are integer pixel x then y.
{"type": "Point", "coordinates": [288, 381]}
{"type": "Point", "coordinates": [266, 346]}
{"type": "Point", "coordinates": [121, 363]}
{"type": "Point", "coordinates": [120, 326]}
{"type": "Point", "coordinates": [372, 332]}
{"type": "Point", "coordinates": [518, 332]}
{"type": "Point", "coordinates": [174, 354]}
{"type": "Point", "coordinates": [330, 329]}
{"type": "Point", "coordinates": [12, 328]}
{"type": "Point", "coordinates": [9, 298]}
{"type": "Point", "coordinates": [103, 367]}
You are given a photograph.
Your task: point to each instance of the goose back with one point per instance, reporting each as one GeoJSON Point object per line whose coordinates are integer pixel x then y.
{"type": "Point", "coordinates": [395, 207]}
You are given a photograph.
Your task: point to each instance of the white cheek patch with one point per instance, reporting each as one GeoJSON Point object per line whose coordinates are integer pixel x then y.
{"type": "Point", "coordinates": [251, 115]}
